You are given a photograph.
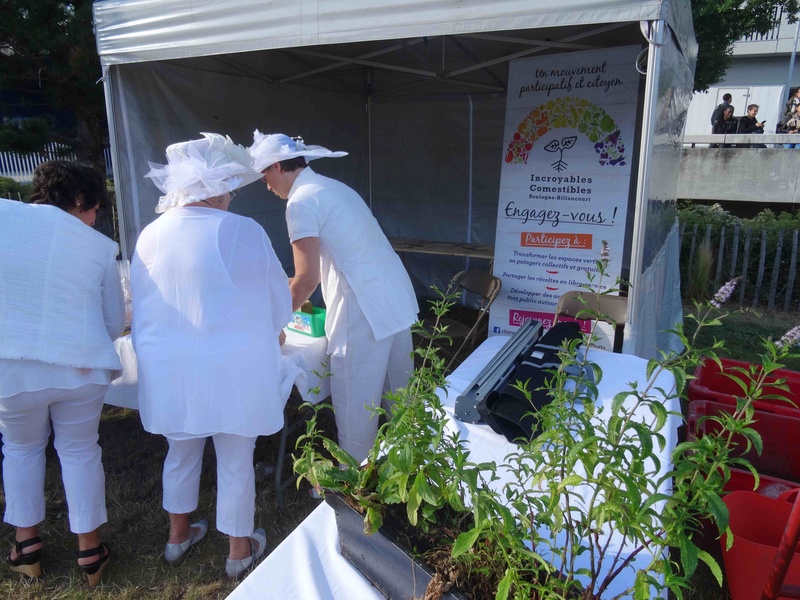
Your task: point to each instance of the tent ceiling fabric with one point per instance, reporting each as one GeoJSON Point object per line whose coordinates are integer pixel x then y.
{"type": "Point", "coordinates": [465, 64]}
{"type": "Point", "coordinates": [145, 30]}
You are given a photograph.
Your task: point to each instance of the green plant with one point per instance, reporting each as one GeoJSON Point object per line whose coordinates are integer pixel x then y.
{"type": "Point", "coordinates": [546, 533]}
{"type": "Point", "coordinates": [415, 461]}
{"type": "Point", "coordinates": [9, 188]}
{"type": "Point", "coordinates": [699, 277]}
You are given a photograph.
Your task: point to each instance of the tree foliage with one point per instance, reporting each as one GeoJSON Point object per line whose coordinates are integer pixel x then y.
{"type": "Point", "coordinates": [49, 65]}
{"type": "Point", "coordinates": [719, 23]}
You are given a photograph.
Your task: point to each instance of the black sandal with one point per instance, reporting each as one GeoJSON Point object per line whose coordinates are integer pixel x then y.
{"type": "Point", "coordinates": [95, 570]}
{"type": "Point", "coordinates": [27, 564]}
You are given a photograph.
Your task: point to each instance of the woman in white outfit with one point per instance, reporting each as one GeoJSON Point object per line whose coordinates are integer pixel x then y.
{"type": "Point", "coordinates": [61, 308]}
{"type": "Point", "coordinates": [210, 300]}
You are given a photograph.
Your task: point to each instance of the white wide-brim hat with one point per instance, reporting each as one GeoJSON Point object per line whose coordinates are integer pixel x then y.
{"type": "Point", "coordinates": [275, 147]}
{"type": "Point", "coordinates": [201, 169]}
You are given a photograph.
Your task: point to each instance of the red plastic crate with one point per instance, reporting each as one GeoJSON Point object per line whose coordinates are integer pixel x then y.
{"type": "Point", "coordinates": [780, 457]}
{"type": "Point", "coordinates": [711, 383]}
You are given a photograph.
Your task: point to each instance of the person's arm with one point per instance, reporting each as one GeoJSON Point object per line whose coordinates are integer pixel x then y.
{"type": "Point", "coordinates": [306, 270]}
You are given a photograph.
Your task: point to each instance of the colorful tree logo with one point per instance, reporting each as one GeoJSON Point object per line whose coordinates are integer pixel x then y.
{"type": "Point", "coordinates": [573, 113]}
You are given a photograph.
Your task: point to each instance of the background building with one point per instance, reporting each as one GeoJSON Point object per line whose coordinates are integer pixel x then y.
{"type": "Point", "coordinates": [758, 75]}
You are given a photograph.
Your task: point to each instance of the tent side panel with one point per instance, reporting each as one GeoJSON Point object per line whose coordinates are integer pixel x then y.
{"type": "Point", "coordinates": [657, 303]}
{"type": "Point", "coordinates": [434, 163]}
{"type": "Point", "coordinates": [157, 104]}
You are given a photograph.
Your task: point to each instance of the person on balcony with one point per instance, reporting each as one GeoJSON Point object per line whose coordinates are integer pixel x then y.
{"type": "Point", "coordinates": [749, 124]}
{"type": "Point", "coordinates": [726, 124]}
{"type": "Point", "coordinates": [790, 122]}
{"type": "Point", "coordinates": [717, 114]}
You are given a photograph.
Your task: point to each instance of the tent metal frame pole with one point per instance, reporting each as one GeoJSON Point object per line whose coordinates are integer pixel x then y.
{"type": "Point", "coordinates": [469, 175]}
{"type": "Point", "coordinates": [539, 48]}
{"type": "Point", "coordinates": [369, 149]}
{"type": "Point", "coordinates": [388, 49]}
{"type": "Point", "coordinates": [116, 162]}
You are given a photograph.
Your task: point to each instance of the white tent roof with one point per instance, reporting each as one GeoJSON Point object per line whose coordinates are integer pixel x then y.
{"type": "Point", "coordinates": [144, 30]}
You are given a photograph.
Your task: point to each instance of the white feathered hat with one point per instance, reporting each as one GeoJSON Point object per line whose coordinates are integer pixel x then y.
{"type": "Point", "coordinates": [275, 147]}
{"type": "Point", "coordinates": [200, 169]}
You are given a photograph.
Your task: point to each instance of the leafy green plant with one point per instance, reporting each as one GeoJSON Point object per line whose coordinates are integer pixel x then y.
{"type": "Point", "coordinates": [9, 188]}
{"type": "Point", "coordinates": [545, 533]}
{"type": "Point", "coordinates": [415, 461]}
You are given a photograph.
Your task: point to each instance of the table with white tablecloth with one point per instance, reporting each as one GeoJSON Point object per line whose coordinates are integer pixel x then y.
{"type": "Point", "coordinates": [308, 565]}
{"type": "Point", "coordinates": [303, 364]}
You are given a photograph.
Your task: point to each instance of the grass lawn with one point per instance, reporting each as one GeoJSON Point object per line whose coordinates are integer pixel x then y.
{"type": "Point", "coordinates": [137, 526]}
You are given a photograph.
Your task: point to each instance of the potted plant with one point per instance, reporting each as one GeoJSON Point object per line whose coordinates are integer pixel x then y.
{"type": "Point", "coordinates": [532, 538]}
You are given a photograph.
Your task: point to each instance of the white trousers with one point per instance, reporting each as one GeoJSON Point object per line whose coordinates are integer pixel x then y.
{"type": "Point", "coordinates": [25, 424]}
{"type": "Point", "coordinates": [361, 375]}
{"type": "Point", "coordinates": [236, 480]}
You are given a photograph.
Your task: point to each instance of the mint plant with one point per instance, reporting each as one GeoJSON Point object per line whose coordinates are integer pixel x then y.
{"type": "Point", "coordinates": [415, 460]}
{"type": "Point", "coordinates": [545, 533]}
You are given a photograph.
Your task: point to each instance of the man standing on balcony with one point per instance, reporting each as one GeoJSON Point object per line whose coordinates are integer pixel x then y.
{"type": "Point", "coordinates": [717, 114]}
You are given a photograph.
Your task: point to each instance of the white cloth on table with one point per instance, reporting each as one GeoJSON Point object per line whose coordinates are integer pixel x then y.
{"type": "Point", "coordinates": [306, 365]}
{"type": "Point", "coordinates": [61, 297]}
{"type": "Point", "coordinates": [25, 421]}
{"type": "Point", "coordinates": [352, 247]}
{"type": "Point", "coordinates": [209, 301]}
{"type": "Point", "coordinates": [236, 483]}
{"type": "Point", "coordinates": [307, 565]}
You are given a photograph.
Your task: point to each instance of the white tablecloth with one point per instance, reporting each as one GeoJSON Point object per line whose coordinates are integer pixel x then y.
{"type": "Point", "coordinates": [302, 362]}
{"type": "Point", "coordinates": [307, 565]}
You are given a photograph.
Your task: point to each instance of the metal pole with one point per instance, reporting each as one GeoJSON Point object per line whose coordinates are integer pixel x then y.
{"type": "Point", "coordinates": [791, 61]}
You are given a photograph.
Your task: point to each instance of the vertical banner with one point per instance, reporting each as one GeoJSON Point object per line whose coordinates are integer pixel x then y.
{"type": "Point", "coordinates": [564, 184]}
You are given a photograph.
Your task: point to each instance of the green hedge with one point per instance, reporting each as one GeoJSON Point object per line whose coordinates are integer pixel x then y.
{"type": "Point", "coordinates": [13, 189]}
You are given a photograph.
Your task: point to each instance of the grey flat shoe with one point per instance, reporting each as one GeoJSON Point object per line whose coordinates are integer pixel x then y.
{"type": "Point", "coordinates": [175, 553]}
{"type": "Point", "coordinates": [235, 568]}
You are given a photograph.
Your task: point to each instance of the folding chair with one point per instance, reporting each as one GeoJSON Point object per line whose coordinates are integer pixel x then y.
{"type": "Point", "coordinates": [583, 304]}
{"type": "Point", "coordinates": [475, 282]}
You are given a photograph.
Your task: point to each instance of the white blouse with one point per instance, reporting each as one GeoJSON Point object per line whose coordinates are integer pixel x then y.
{"type": "Point", "coordinates": [352, 247]}
{"type": "Point", "coordinates": [209, 301]}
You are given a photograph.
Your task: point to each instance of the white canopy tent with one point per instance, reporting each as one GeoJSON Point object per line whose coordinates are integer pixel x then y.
{"type": "Point", "coordinates": [414, 90]}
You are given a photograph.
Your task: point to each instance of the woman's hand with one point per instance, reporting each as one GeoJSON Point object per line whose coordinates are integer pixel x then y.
{"type": "Point", "coordinates": [282, 337]}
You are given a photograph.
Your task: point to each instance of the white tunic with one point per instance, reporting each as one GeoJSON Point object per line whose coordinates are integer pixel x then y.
{"type": "Point", "coordinates": [209, 301]}
{"type": "Point", "coordinates": [352, 246]}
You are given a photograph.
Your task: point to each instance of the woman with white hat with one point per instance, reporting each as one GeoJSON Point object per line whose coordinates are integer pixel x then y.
{"type": "Point", "coordinates": [210, 299]}
{"type": "Point", "coordinates": [369, 297]}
